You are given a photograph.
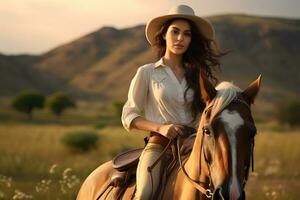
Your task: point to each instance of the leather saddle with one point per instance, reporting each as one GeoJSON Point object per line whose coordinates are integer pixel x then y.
{"type": "Point", "coordinates": [127, 159]}
{"type": "Point", "coordinates": [124, 172]}
{"type": "Point", "coordinates": [124, 165]}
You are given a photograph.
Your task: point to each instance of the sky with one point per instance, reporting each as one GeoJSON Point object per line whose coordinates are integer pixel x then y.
{"type": "Point", "coordinates": [37, 26]}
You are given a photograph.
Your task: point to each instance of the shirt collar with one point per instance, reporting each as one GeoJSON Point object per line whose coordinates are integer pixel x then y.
{"type": "Point", "coordinates": [159, 63]}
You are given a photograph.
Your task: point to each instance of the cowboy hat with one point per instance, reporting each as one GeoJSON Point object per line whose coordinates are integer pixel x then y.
{"type": "Point", "coordinates": [181, 11]}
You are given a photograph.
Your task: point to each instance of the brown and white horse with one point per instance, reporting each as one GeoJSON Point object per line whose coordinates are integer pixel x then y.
{"type": "Point", "coordinates": [218, 165]}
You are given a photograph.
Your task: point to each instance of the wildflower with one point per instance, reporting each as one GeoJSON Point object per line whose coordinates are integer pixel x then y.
{"type": "Point", "coordinates": [21, 195]}
{"type": "Point", "coordinates": [52, 169]}
{"type": "Point", "coordinates": [66, 172]}
{"type": "Point", "coordinates": [68, 180]}
{"type": "Point", "coordinates": [5, 180]}
{"type": "Point", "coordinates": [43, 186]}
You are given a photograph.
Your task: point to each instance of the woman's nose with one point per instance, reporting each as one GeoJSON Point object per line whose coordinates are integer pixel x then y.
{"type": "Point", "coordinates": [180, 37]}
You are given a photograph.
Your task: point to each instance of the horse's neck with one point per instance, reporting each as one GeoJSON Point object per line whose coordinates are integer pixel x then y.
{"type": "Point", "coordinates": [193, 162]}
{"type": "Point", "coordinates": [194, 170]}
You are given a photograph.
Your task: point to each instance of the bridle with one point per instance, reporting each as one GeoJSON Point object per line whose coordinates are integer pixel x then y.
{"type": "Point", "coordinates": [208, 191]}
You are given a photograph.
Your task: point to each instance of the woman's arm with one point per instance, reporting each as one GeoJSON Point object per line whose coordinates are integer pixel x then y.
{"type": "Point", "coordinates": [137, 96]}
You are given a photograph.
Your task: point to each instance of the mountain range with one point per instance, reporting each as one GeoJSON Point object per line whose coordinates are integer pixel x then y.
{"type": "Point", "coordinates": [101, 64]}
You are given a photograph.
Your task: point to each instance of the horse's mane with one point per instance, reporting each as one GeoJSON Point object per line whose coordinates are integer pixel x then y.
{"type": "Point", "coordinates": [226, 92]}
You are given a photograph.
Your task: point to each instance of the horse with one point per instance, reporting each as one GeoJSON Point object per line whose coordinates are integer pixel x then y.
{"type": "Point", "coordinates": [218, 164]}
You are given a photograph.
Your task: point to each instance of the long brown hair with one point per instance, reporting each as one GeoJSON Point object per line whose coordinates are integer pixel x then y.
{"type": "Point", "coordinates": [202, 54]}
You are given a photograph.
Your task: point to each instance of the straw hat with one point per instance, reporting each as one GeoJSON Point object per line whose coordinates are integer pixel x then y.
{"type": "Point", "coordinates": [181, 11]}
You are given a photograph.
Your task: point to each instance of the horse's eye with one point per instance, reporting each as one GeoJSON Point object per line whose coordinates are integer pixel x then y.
{"type": "Point", "coordinates": [206, 130]}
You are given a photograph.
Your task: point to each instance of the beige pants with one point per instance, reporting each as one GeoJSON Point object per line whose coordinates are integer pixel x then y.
{"type": "Point", "coordinates": [144, 187]}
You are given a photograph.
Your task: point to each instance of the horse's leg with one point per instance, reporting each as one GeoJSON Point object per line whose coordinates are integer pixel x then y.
{"type": "Point", "coordinates": [93, 184]}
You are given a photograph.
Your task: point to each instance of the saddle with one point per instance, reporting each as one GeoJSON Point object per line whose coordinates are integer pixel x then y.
{"type": "Point", "coordinates": [125, 165]}
{"type": "Point", "coordinates": [127, 159]}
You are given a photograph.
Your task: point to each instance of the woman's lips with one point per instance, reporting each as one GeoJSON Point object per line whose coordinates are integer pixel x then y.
{"type": "Point", "coordinates": [178, 46]}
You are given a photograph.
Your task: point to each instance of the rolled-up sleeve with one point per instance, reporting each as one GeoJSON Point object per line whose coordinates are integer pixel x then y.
{"type": "Point", "coordinates": [137, 95]}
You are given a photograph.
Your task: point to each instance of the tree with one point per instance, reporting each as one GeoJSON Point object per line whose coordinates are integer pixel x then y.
{"type": "Point", "coordinates": [290, 113]}
{"type": "Point", "coordinates": [27, 101]}
{"type": "Point", "coordinates": [58, 102]}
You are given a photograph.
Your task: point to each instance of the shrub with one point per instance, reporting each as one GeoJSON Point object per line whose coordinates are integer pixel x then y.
{"type": "Point", "coordinates": [58, 102]}
{"type": "Point", "coordinates": [82, 141]}
{"type": "Point", "coordinates": [100, 125]}
{"type": "Point", "coordinates": [27, 101]}
{"type": "Point", "coordinates": [290, 113]}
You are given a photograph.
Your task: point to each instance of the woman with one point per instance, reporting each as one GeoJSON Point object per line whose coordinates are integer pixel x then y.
{"type": "Point", "coordinates": [168, 90]}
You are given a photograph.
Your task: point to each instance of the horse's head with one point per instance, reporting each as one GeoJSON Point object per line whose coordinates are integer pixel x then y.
{"type": "Point", "coordinates": [228, 136]}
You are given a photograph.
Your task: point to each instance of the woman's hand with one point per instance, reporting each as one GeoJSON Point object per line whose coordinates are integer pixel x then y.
{"type": "Point", "coordinates": [171, 131]}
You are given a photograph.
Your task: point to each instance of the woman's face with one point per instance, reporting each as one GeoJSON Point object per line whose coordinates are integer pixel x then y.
{"type": "Point", "coordinates": [178, 37]}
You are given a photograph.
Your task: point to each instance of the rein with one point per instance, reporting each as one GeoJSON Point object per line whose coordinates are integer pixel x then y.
{"type": "Point", "coordinates": [206, 191]}
{"type": "Point", "coordinates": [176, 143]}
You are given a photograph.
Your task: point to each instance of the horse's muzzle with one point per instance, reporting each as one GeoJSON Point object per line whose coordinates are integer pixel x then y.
{"type": "Point", "coordinates": [220, 194]}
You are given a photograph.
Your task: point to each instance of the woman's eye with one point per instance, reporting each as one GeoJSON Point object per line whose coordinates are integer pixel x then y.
{"type": "Point", "coordinates": [188, 34]}
{"type": "Point", "coordinates": [174, 31]}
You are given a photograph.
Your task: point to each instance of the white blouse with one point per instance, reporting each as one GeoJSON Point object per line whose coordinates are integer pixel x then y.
{"type": "Point", "coordinates": [156, 91]}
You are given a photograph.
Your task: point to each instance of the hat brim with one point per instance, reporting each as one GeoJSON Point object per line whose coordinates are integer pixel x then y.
{"type": "Point", "coordinates": [204, 26]}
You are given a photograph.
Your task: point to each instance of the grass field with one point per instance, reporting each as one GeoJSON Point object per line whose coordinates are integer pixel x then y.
{"type": "Point", "coordinates": [34, 164]}
{"type": "Point", "coordinates": [27, 153]}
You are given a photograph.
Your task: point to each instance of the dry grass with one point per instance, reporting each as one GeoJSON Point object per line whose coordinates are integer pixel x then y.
{"type": "Point", "coordinates": [27, 152]}
{"type": "Point", "coordinates": [277, 166]}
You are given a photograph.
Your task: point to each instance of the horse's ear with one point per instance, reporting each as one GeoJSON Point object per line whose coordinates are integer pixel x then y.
{"type": "Point", "coordinates": [208, 91]}
{"type": "Point", "coordinates": [251, 91]}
